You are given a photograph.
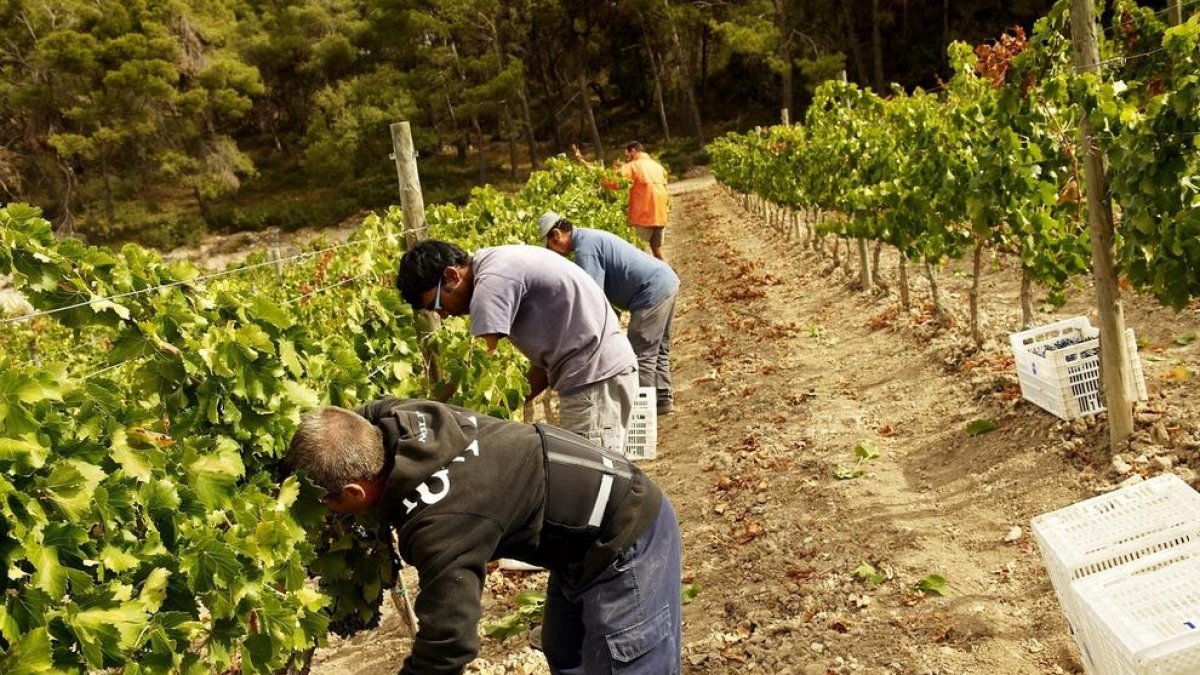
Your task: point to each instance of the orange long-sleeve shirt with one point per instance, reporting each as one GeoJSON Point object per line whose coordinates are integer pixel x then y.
{"type": "Point", "coordinates": [648, 196]}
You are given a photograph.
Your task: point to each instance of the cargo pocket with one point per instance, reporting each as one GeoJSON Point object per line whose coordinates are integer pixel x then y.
{"type": "Point", "coordinates": [647, 648]}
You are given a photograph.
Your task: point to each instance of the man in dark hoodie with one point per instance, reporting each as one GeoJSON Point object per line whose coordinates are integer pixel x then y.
{"type": "Point", "coordinates": [461, 489]}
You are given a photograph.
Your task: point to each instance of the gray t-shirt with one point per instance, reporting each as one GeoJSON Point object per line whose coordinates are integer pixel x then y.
{"type": "Point", "coordinates": [552, 311]}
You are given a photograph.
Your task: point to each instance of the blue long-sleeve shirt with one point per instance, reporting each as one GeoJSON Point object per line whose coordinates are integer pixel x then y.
{"type": "Point", "coordinates": [631, 278]}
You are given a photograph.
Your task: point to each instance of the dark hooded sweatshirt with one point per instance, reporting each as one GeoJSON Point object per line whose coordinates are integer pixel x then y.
{"type": "Point", "coordinates": [464, 489]}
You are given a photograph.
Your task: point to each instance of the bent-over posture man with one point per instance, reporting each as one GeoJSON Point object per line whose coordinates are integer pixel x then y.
{"type": "Point", "coordinates": [632, 280]}
{"type": "Point", "coordinates": [554, 314]}
{"type": "Point", "coordinates": [461, 489]}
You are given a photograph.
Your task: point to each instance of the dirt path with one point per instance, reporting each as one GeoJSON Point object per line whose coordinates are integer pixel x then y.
{"type": "Point", "coordinates": [780, 379]}
{"type": "Point", "coordinates": [781, 371]}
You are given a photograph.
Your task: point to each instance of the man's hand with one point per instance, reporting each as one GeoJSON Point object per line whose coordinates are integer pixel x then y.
{"type": "Point", "coordinates": [491, 340]}
{"type": "Point", "coordinates": [577, 154]}
{"type": "Point", "coordinates": [538, 381]}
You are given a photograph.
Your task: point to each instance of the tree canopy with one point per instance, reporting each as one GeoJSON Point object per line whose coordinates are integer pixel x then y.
{"type": "Point", "coordinates": [110, 110]}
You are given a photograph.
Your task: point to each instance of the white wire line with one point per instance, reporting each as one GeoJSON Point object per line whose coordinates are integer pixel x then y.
{"type": "Point", "coordinates": [202, 277]}
{"type": "Point", "coordinates": [343, 282]}
{"type": "Point", "coordinates": [114, 366]}
{"type": "Point", "coordinates": [1122, 59]}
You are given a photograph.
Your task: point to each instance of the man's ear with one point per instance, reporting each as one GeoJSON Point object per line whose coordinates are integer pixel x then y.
{"type": "Point", "coordinates": [354, 492]}
{"type": "Point", "coordinates": [452, 275]}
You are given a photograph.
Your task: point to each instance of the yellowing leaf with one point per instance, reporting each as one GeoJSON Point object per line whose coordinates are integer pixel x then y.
{"type": "Point", "coordinates": [1180, 374]}
{"type": "Point", "coordinates": [72, 485]}
{"type": "Point", "coordinates": [154, 590]}
{"type": "Point", "coordinates": [128, 458]}
{"type": "Point", "coordinates": [115, 629]}
{"type": "Point", "coordinates": [118, 560]}
{"type": "Point", "coordinates": [99, 305]}
{"type": "Point", "coordinates": [28, 654]}
{"type": "Point", "coordinates": [214, 475]}
{"type": "Point", "coordinates": [25, 454]}
{"type": "Point", "coordinates": [48, 573]}
{"type": "Point", "coordinates": [301, 395]}
{"type": "Point", "coordinates": [289, 358]}
{"type": "Point", "coordinates": [311, 599]}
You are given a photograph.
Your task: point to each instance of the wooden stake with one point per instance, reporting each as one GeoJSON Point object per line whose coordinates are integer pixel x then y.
{"type": "Point", "coordinates": [412, 203]}
{"type": "Point", "coordinates": [411, 200]}
{"type": "Point", "coordinates": [278, 260]}
{"type": "Point", "coordinates": [1114, 360]}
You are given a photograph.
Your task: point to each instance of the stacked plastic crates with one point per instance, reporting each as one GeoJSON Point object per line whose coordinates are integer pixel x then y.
{"type": "Point", "coordinates": [641, 439]}
{"type": "Point", "coordinates": [1058, 367]}
{"type": "Point", "coordinates": [1126, 569]}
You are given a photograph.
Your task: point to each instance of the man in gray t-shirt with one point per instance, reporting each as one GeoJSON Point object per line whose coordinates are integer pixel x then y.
{"type": "Point", "coordinates": [551, 311]}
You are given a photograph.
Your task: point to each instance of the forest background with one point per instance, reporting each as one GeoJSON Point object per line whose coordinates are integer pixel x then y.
{"type": "Point", "coordinates": [158, 121]}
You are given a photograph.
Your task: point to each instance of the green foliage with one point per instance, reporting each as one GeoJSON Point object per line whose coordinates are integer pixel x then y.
{"type": "Point", "coordinates": [530, 610]}
{"type": "Point", "coordinates": [1154, 113]}
{"type": "Point", "coordinates": [992, 158]}
{"type": "Point", "coordinates": [347, 132]}
{"type": "Point", "coordinates": [144, 521]}
{"type": "Point", "coordinates": [979, 427]}
{"type": "Point", "coordinates": [863, 453]}
{"type": "Point", "coordinates": [932, 585]}
{"type": "Point", "coordinates": [867, 572]}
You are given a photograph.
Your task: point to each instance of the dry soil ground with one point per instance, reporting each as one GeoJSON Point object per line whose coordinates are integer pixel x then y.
{"type": "Point", "coordinates": [782, 369]}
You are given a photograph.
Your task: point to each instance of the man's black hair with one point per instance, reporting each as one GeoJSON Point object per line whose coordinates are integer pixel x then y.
{"type": "Point", "coordinates": [563, 225]}
{"type": "Point", "coordinates": [635, 145]}
{"type": "Point", "coordinates": [422, 267]}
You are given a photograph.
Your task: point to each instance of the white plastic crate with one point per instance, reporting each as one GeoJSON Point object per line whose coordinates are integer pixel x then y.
{"type": "Point", "coordinates": [1108, 533]}
{"type": "Point", "coordinates": [1066, 381]}
{"type": "Point", "coordinates": [641, 439]}
{"type": "Point", "coordinates": [1145, 616]}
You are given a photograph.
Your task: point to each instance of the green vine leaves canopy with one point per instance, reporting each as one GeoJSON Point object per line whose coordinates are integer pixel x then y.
{"type": "Point", "coordinates": [993, 155]}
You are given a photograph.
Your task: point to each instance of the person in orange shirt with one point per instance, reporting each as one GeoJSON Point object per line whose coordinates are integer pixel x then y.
{"type": "Point", "coordinates": [647, 197]}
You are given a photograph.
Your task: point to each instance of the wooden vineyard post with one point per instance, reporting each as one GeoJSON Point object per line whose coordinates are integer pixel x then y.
{"type": "Point", "coordinates": [411, 200]}
{"type": "Point", "coordinates": [278, 260]}
{"type": "Point", "coordinates": [784, 116]}
{"type": "Point", "coordinates": [413, 205]}
{"type": "Point", "coordinates": [1176, 12]}
{"type": "Point", "coordinates": [1114, 360]}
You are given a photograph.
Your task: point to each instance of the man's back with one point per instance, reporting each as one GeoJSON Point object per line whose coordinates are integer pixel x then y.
{"type": "Point", "coordinates": [464, 488]}
{"type": "Point", "coordinates": [631, 278]}
{"type": "Point", "coordinates": [648, 196]}
{"type": "Point", "coordinates": [550, 309]}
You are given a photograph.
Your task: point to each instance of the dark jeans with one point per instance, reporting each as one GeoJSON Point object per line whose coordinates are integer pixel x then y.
{"type": "Point", "coordinates": [650, 335]}
{"type": "Point", "coordinates": [627, 621]}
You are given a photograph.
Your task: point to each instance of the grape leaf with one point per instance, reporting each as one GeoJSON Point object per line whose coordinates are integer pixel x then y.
{"type": "Point", "coordinates": [29, 654]}
{"type": "Point", "coordinates": [932, 585]}
{"type": "Point", "coordinates": [209, 565]}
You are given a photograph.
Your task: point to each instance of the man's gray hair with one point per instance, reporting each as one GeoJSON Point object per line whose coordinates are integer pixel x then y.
{"type": "Point", "coordinates": [335, 447]}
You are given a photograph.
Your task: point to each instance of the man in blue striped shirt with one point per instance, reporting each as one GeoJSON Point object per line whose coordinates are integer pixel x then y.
{"type": "Point", "coordinates": [632, 280]}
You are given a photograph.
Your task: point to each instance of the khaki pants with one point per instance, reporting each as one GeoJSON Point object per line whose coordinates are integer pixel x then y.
{"type": "Point", "coordinates": [600, 411]}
